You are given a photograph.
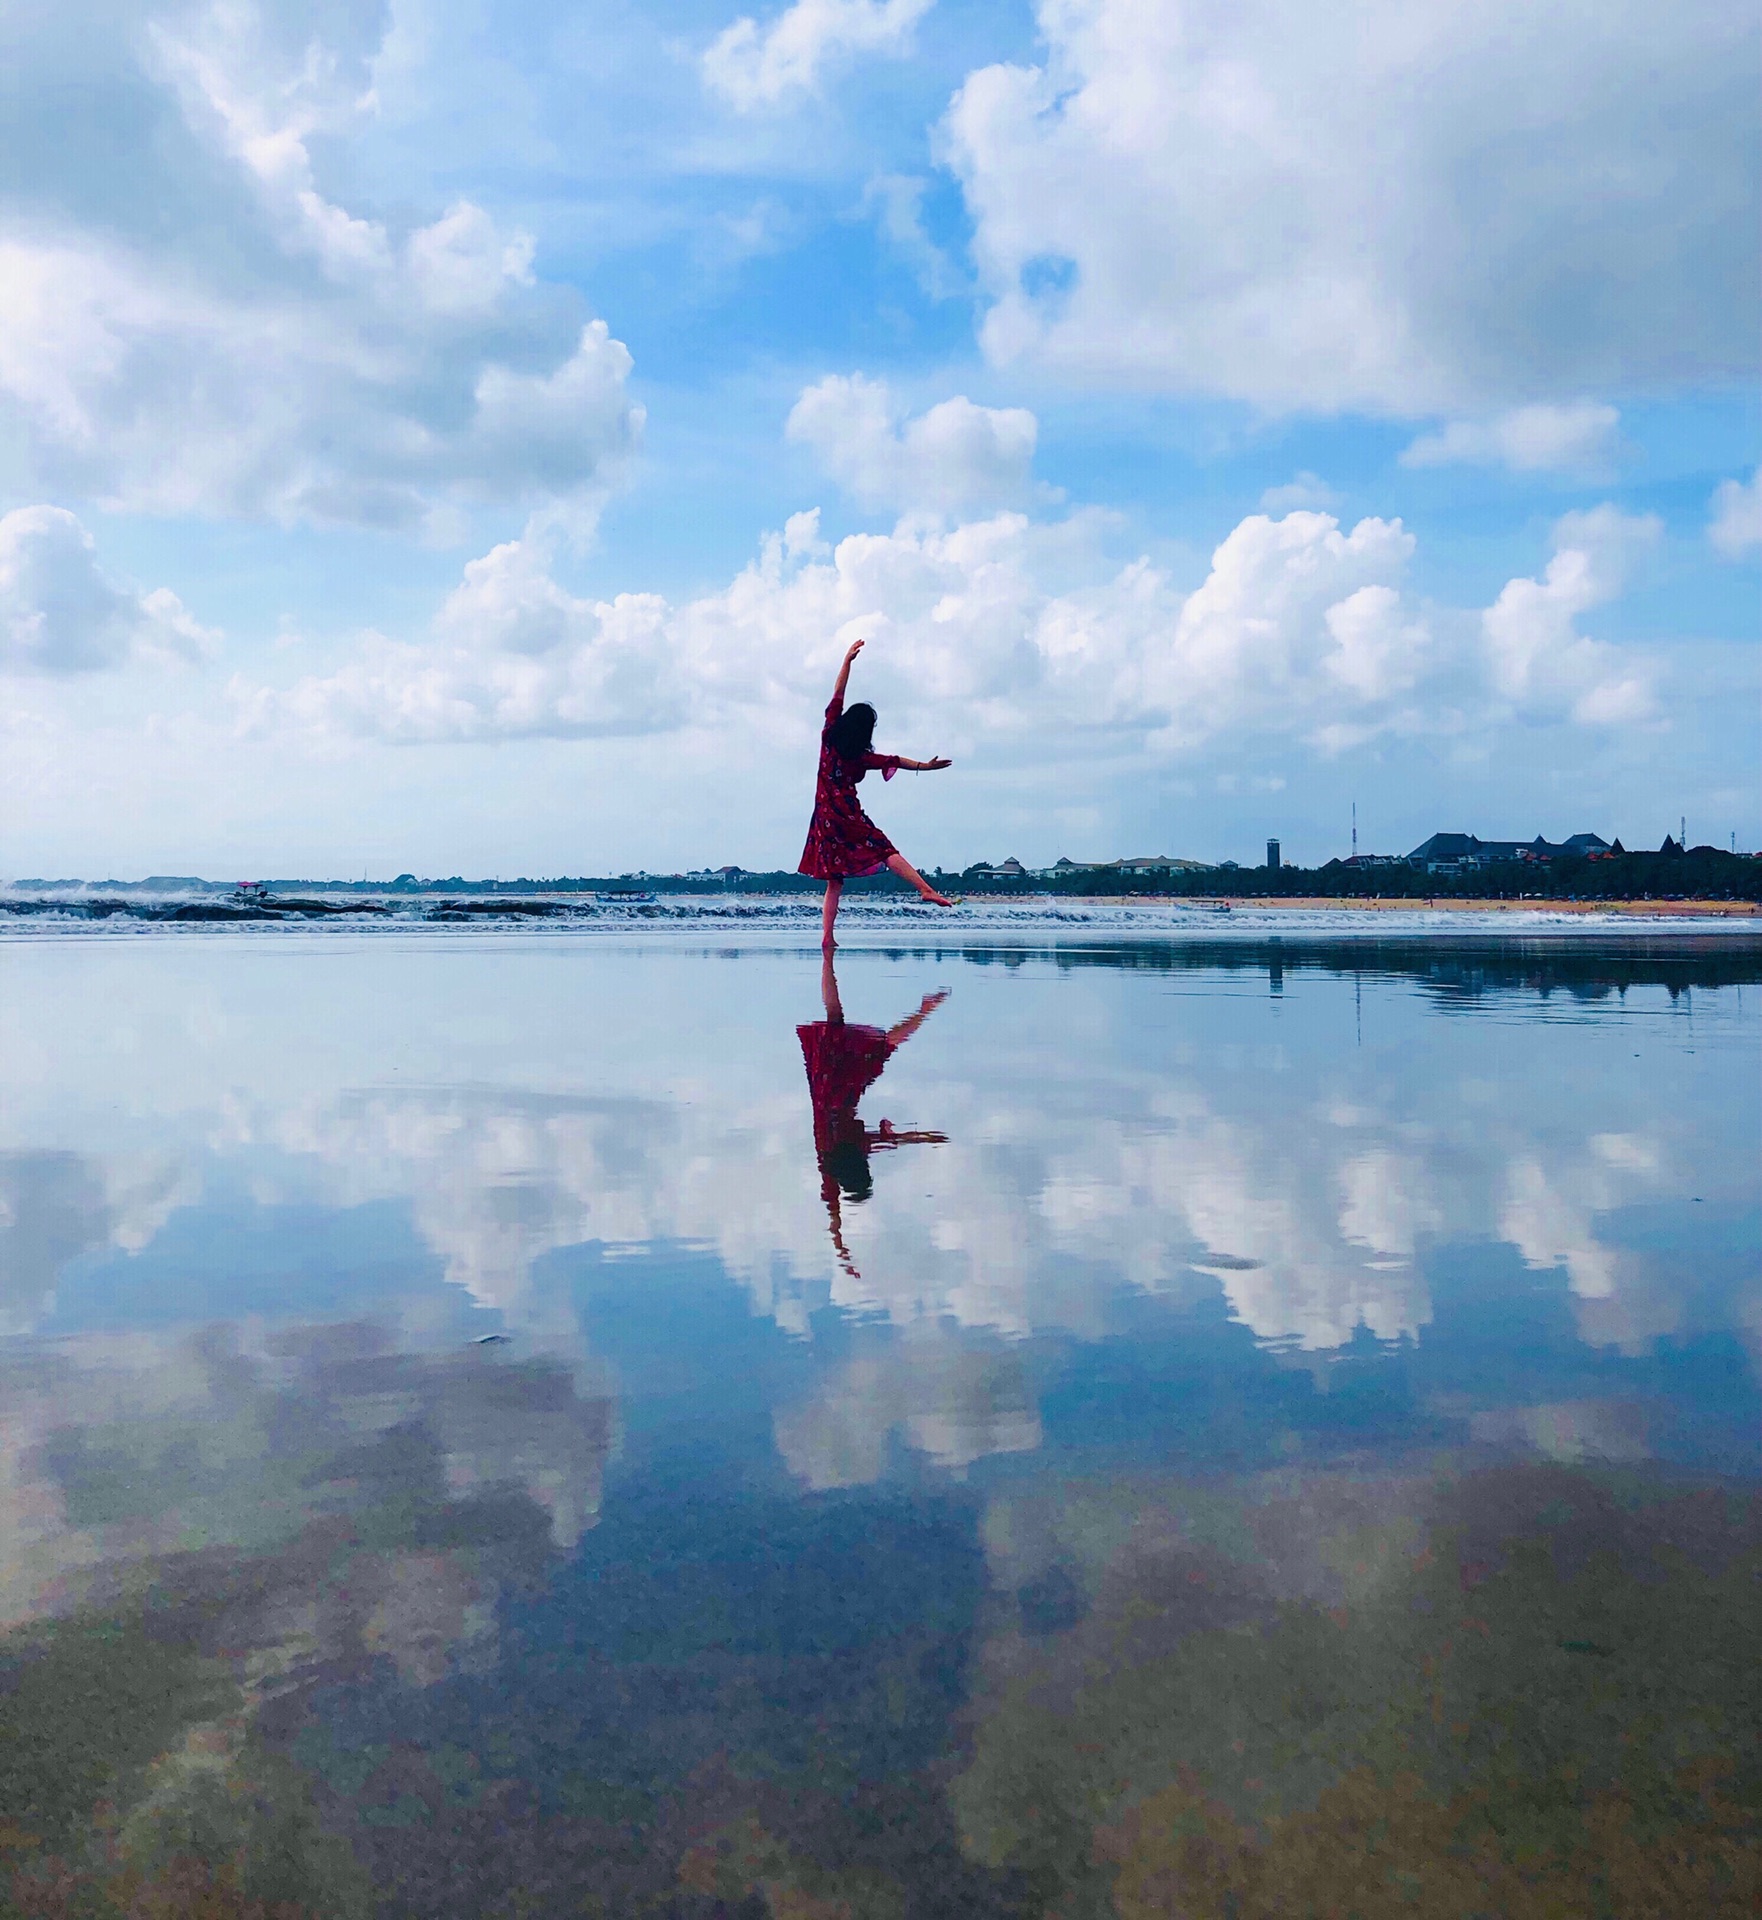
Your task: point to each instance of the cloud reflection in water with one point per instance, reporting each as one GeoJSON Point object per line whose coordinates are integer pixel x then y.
{"type": "Point", "coordinates": [1201, 1355]}
{"type": "Point", "coordinates": [1229, 1145]}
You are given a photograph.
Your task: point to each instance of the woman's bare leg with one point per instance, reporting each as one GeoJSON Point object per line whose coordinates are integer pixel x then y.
{"type": "Point", "coordinates": [898, 863]}
{"type": "Point", "coordinates": [829, 913]}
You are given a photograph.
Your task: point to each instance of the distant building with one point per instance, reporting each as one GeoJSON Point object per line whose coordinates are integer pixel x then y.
{"type": "Point", "coordinates": [1462, 852]}
{"type": "Point", "coordinates": [1272, 856]}
{"type": "Point", "coordinates": [1064, 868]}
{"type": "Point", "coordinates": [1140, 863]}
{"type": "Point", "coordinates": [1159, 863]}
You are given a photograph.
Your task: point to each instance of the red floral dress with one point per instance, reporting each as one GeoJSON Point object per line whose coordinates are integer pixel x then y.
{"type": "Point", "coordinates": [843, 1061]}
{"type": "Point", "coordinates": [842, 840]}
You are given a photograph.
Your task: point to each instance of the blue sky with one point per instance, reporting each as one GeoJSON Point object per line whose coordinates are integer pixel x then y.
{"type": "Point", "coordinates": [461, 437]}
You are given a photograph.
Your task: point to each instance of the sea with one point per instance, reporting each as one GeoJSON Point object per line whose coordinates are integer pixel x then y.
{"type": "Point", "coordinates": [1110, 1412]}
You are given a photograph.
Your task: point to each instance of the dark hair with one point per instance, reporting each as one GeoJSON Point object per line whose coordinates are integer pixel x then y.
{"type": "Point", "coordinates": [852, 734]}
{"type": "Point", "coordinates": [847, 1163]}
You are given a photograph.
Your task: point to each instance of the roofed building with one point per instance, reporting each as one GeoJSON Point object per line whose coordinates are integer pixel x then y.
{"type": "Point", "coordinates": [1159, 863]}
{"type": "Point", "coordinates": [1455, 852]}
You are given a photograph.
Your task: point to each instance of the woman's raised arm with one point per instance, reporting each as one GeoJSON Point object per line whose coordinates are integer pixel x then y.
{"type": "Point", "coordinates": [843, 681]}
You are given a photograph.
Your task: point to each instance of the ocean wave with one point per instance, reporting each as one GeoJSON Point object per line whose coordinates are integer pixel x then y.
{"type": "Point", "coordinates": [865, 920]}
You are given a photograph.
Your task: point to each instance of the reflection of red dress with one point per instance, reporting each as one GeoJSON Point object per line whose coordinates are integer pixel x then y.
{"type": "Point", "coordinates": [843, 1063]}
{"type": "Point", "coordinates": [842, 840]}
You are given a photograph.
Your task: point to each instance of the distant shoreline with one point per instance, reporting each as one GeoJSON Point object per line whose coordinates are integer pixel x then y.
{"type": "Point", "coordinates": [1704, 881]}
{"type": "Point", "coordinates": [1636, 909]}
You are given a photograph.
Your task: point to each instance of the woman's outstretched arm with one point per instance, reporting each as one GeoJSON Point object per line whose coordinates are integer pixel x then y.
{"type": "Point", "coordinates": [843, 681]}
{"type": "Point", "coordinates": [888, 1135]}
{"type": "Point", "coordinates": [920, 766]}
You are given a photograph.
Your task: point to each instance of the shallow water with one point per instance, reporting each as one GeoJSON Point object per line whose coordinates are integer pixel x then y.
{"type": "Point", "coordinates": [556, 1424]}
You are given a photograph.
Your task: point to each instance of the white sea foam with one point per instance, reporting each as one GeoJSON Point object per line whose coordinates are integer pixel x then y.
{"type": "Point", "coordinates": [866, 920]}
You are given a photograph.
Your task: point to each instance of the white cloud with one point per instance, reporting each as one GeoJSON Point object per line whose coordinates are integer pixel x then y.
{"type": "Point", "coordinates": [1304, 489]}
{"type": "Point", "coordinates": [1297, 623]}
{"type": "Point", "coordinates": [59, 614]}
{"type": "Point", "coordinates": [1377, 651]}
{"type": "Point", "coordinates": [464, 264]}
{"type": "Point", "coordinates": [953, 456]}
{"type": "Point", "coordinates": [1536, 656]}
{"type": "Point", "coordinates": [514, 655]}
{"type": "Point", "coordinates": [1002, 628]}
{"type": "Point", "coordinates": [1535, 439]}
{"type": "Point", "coordinates": [554, 430]}
{"type": "Point", "coordinates": [259, 84]}
{"type": "Point", "coordinates": [1736, 526]}
{"type": "Point", "coordinates": [897, 200]}
{"type": "Point", "coordinates": [216, 332]}
{"type": "Point", "coordinates": [753, 66]}
{"type": "Point", "coordinates": [1440, 209]}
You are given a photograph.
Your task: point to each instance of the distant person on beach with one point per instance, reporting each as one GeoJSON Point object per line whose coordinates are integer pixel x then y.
{"type": "Point", "coordinates": [843, 842]}
{"type": "Point", "coordinates": [844, 1060]}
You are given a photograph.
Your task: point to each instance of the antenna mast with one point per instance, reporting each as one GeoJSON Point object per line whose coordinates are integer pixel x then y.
{"type": "Point", "coordinates": [1355, 829]}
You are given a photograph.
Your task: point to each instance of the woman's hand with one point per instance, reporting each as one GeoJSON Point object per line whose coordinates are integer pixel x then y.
{"type": "Point", "coordinates": [850, 654]}
{"type": "Point", "coordinates": [936, 765]}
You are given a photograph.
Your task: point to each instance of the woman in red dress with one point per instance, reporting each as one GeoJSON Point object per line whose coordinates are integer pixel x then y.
{"type": "Point", "coordinates": [842, 840]}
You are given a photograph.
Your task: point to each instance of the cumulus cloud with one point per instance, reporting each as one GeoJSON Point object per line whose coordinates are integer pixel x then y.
{"type": "Point", "coordinates": [1017, 631]}
{"type": "Point", "coordinates": [1378, 651]}
{"type": "Point", "coordinates": [1244, 199]}
{"type": "Point", "coordinates": [1536, 656]}
{"type": "Point", "coordinates": [953, 456]}
{"type": "Point", "coordinates": [1298, 625]}
{"type": "Point", "coordinates": [752, 66]}
{"type": "Point", "coordinates": [1736, 526]}
{"type": "Point", "coordinates": [60, 613]}
{"type": "Point", "coordinates": [269, 351]}
{"type": "Point", "coordinates": [1535, 439]}
{"type": "Point", "coordinates": [513, 655]}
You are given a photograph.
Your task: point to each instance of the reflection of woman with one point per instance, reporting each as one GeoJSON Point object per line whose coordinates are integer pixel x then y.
{"type": "Point", "coordinates": [843, 1062]}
